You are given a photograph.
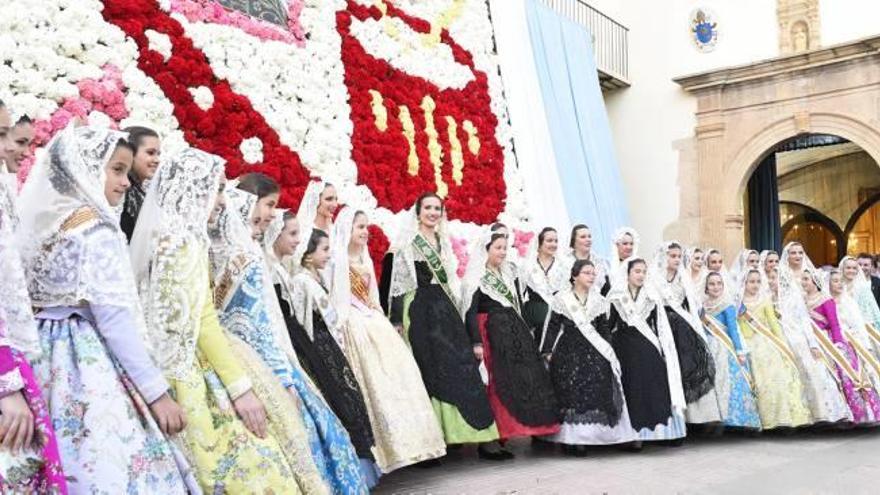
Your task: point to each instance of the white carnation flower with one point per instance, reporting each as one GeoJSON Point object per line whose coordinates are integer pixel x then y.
{"type": "Point", "coordinates": [252, 150]}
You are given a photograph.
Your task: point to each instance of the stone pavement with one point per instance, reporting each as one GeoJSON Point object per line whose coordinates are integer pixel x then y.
{"type": "Point", "coordinates": [846, 462]}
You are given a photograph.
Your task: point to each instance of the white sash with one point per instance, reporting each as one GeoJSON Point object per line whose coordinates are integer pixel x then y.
{"type": "Point", "coordinates": [626, 309]}
{"type": "Point", "coordinates": [582, 316]}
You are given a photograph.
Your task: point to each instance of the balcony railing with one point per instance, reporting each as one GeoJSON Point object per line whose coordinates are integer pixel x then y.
{"type": "Point", "coordinates": [610, 40]}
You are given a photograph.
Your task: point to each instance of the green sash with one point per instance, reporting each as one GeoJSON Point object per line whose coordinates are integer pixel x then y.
{"type": "Point", "coordinates": [435, 264]}
{"type": "Point", "coordinates": [498, 285]}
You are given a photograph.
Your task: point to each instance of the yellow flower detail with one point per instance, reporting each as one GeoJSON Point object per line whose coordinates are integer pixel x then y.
{"type": "Point", "coordinates": [409, 131]}
{"type": "Point", "coordinates": [442, 22]}
{"type": "Point", "coordinates": [380, 114]}
{"type": "Point", "coordinates": [455, 145]}
{"type": "Point", "coordinates": [473, 137]}
{"type": "Point", "coordinates": [435, 152]}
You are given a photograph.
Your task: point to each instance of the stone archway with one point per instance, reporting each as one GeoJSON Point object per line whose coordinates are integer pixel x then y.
{"type": "Point", "coordinates": [744, 111]}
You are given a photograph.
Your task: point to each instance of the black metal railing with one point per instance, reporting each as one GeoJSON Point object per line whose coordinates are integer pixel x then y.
{"type": "Point", "coordinates": [610, 38]}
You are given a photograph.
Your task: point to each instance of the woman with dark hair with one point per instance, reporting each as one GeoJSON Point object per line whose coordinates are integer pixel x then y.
{"type": "Point", "coordinates": [520, 391]}
{"type": "Point", "coordinates": [543, 275]}
{"type": "Point", "coordinates": [585, 370]}
{"type": "Point", "coordinates": [424, 296]}
{"type": "Point", "coordinates": [853, 377]}
{"type": "Point", "coordinates": [21, 135]}
{"type": "Point", "coordinates": [31, 462]}
{"type": "Point", "coordinates": [779, 390]}
{"type": "Point", "coordinates": [645, 347]}
{"type": "Point", "coordinates": [580, 244]}
{"type": "Point", "coordinates": [734, 383]}
{"type": "Point", "coordinates": [267, 192]}
{"type": "Point", "coordinates": [99, 380]}
{"type": "Point", "coordinates": [676, 291]}
{"type": "Point", "coordinates": [147, 150]}
{"type": "Point", "coordinates": [317, 339]}
{"type": "Point", "coordinates": [401, 413]}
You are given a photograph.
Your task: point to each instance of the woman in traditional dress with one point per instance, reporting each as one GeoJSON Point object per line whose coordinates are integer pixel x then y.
{"type": "Point", "coordinates": [544, 275]}
{"type": "Point", "coordinates": [580, 243]}
{"type": "Point", "coordinates": [644, 344]}
{"type": "Point", "coordinates": [519, 387]}
{"type": "Point", "coordinates": [96, 372]}
{"type": "Point", "coordinates": [854, 377]}
{"type": "Point", "coordinates": [734, 382]}
{"type": "Point", "coordinates": [330, 443]}
{"type": "Point", "coordinates": [694, 356]}
{"type": "Point", "coordinates": [424, 297]}
{"type": "Point", "coordinates": [227, 436]}
{"type": "Point", "coordinates": [268, 192]}
{"type": "Point", "coordinates": [778, 386]}
{"type": "Point", "coordinates": [248, 309]}
{"type": "Point", "coordinates": [318, 343]}
{"type": "Point", "coordinates": [694, 265]}
{"type": "Point", "coordinates": [852, 323]}
{"type": "Point", "coordinates": [748, 259]}
{"type": "Point", "coordinates": [29, 459]}
{"type": "Point", "coordinates": [401, 414]}
{"type": "Point", "coordinates": [624, 245]}
{"type": "Point", "coordinates": [821, 383]}
{"type": "Point", "coordinates": [585, 370]}
{"type": "Point", "coordinates": [858, 287]}
{"type": "Point", "coordinates": [316, 212]}
{"type": "Point", "coordinates": [20, 137]}
{"type": "Point", "coordinates": [768, 261]}
{"type": "Point", "coordinates": [147, 151]}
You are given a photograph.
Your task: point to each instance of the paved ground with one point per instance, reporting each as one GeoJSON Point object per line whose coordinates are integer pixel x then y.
{"type": "Point", "coordinates": [846, 462]}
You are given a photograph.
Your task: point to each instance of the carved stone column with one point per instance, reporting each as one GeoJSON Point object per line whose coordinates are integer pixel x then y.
{"type": "Point", "coordinates": [710, 149]}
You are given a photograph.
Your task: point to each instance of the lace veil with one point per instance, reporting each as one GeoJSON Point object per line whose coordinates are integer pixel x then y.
{"type": "Point", "coordinates": [15, 302]}
{"type": "Point", "coordinates": [308, 210]}
{"type": "Point", "coordinates": [230, 239]}
{"type": "Point", "coordinates": [556, 278]}
{"type": "Point", "coordinates": [403, 271]}
{"type": "Point", "coordinates": [657, 275]}
{"type": "Point", "coordinates": [614, 261]}
{"type": "Point", "coordinates": [340, 288]}
{"type": "Point", "coordinates": [169, 254]}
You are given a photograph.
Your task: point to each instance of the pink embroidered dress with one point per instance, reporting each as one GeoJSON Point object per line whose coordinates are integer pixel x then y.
{"type": "Point", "coordinates": [861, 396]}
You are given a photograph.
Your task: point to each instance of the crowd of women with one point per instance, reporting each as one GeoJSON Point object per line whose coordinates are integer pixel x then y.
{"type": "Point", "coordinates": [166, 330]}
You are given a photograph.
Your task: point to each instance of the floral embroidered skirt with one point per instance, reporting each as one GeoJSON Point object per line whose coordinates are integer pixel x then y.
{"type": "Point", "coordinates": [96, 410]}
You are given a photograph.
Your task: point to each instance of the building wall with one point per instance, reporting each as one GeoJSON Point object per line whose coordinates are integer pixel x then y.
{"type": "Point", "coordinates": [654, 119]}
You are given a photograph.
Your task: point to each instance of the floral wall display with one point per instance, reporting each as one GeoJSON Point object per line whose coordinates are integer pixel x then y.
{"type": "Point", "coordinates": [386, 99]}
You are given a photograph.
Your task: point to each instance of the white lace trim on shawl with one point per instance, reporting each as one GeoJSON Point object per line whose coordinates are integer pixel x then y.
{"type": "Point", "coordinates": [309, 296]}
{"type": "Point", "coordinates": [567, 304]}
{"type": "Point", "coordinates": [635, 314]}
{"type": "Point", "coordinates": [15, 302]}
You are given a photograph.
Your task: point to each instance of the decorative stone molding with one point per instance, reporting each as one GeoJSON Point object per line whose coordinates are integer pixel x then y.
{"type": "Point", "coordinates": [798, 25]}
{"type": "Point", "coordinates": [744, 111]}
{"type": "Point", "coordinates": [802, 122]}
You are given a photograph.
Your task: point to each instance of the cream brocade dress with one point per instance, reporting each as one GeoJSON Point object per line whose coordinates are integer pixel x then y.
{"type": "Point", "coordinates": [401, 414]}
{"type": "Point", "coordinates": [779, 389]}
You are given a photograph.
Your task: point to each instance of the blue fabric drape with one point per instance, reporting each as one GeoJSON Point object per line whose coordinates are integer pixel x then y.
{"type": "Point", "coordinates": [578, 122]}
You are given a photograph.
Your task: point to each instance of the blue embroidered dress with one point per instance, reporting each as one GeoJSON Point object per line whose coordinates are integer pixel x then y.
{"type": "Point", "coordinates": [736, 398]}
